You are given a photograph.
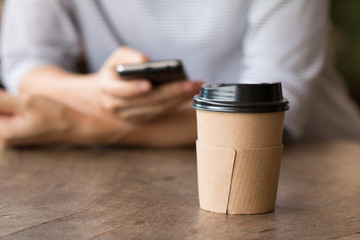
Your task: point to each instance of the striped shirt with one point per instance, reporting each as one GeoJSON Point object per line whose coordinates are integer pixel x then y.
{"type": "Point", "coordinates": [250, 41]}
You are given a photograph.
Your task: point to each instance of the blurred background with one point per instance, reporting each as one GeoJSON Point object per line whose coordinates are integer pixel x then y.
{"type": "Point", "coordinates": [345, 15]}
{"type": "Point", "coordinates": [346, 20]}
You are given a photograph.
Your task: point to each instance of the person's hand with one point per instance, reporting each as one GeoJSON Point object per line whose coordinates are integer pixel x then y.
{"type": "Point", "coordinates": [37, 120]}
{"type": "Point", "coordinates": [31, 120]}
{"type": "Point", "coordinates": [137, 100]}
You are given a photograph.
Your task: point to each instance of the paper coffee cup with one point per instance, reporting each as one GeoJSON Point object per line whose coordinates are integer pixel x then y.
{"type": "Point", "coordinates": [239, 146]}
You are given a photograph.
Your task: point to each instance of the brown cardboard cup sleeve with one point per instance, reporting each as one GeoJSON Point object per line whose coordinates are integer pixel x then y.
{"type": "Point", "coordinates": [238, 181]}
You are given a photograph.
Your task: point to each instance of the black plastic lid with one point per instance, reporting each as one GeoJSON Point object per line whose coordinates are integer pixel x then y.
{"type": "Point", "coordinates": [241, 98]}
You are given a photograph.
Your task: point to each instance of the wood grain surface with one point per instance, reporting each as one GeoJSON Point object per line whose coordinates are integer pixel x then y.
{"type": "Point", "coordinates": [152, 194]}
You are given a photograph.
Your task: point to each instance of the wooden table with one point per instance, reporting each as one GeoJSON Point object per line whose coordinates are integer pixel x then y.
{"type": "Point", "coordinates": [152, 194]}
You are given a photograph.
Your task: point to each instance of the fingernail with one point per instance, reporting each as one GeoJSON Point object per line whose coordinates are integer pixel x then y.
{"type": "Point", "coordinates": [144, 87]}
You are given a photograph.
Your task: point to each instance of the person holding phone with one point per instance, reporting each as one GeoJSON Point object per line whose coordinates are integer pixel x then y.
{"type": "Point", "coordinates": [239, 41]}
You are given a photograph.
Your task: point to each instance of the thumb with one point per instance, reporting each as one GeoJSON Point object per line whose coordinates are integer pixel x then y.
{"type": "Point", "coordinates": [126, 55]}
{"type": "Point", "coordinates": [8, 104]}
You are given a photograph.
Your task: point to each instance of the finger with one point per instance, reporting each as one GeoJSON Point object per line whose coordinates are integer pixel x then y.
{"type": "Point", "coordinates": [173, 90]}
{"type": "Point", "coordinates": [126, 55]}
{"type": "Point", "coordinates": [166, 92]}
{"type": "Point", "coordinates": [8, 104]}
{"type": "Point", "coordinates": [17, 131]}
{"type": "Point", "coordinates": [124, 89]}
{"type": "Point", "coordinates": [118, 105]}
{"type": "Point", "coordinates": [150, 112]}
{"type": "Point", "coordinates": [111, 103]}
{"type": "Point", "coordinates": [153, 97]}
{"type": "Point", "coordinates": [111, 82]}
{"type": "Point", "coordinates": [8, 127]}
{"type": "Point", "coordinates": [141, 114]}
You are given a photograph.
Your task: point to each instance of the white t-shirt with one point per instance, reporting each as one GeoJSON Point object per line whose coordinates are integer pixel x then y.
{"type": "Point", "coordinates": [218, 41]}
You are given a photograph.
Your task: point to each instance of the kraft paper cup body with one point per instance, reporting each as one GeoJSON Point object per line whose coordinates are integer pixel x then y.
{"type": "Point", "coordinates": [245, 130]}
{"type": "Point", "coordinates": [238, 160]}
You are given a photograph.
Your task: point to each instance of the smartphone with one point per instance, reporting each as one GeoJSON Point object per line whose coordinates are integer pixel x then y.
{"type": "Point", "coordinates": [157, 72]}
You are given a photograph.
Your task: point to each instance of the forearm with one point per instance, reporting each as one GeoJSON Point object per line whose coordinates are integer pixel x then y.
{"type": "Point", "coordinates": [74, 90]}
